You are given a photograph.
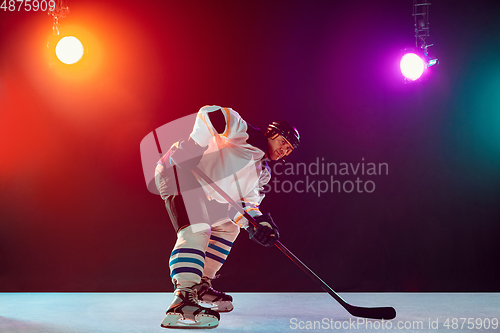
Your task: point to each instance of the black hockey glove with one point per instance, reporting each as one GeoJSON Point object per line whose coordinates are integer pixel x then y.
{"type": "Point", "coordinates": [187, 154]}
{"type": "Point", "coordinates": [267, 233]}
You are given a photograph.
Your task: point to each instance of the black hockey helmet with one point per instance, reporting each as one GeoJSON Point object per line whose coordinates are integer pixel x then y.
{"type": "Point", "coordinates": [283, 128]}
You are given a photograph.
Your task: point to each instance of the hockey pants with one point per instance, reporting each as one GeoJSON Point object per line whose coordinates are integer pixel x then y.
{"type": "Point", "coordinates": [205, 234]}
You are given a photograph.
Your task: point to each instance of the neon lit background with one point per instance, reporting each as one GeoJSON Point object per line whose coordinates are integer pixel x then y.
{"type": "Point", "coordinates": [75, 214]}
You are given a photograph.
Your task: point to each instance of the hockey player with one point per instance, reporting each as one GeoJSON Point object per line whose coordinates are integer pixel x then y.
{"type": "Point", "coordinates": [234, 155]}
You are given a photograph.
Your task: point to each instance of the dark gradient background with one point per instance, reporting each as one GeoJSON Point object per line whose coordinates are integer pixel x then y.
{"type": "Point", "coordinates": [75, 213]}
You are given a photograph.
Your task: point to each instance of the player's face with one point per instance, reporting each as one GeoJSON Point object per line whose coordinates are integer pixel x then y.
{"type": "Point", "coordinates": [278, 148]}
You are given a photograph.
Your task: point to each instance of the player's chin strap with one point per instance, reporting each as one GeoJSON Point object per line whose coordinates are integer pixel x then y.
{"type": "Point", "coordinates": [374, 313]}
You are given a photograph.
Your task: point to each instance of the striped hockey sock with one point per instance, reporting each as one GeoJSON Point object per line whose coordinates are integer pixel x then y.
{"type": "Point", "coordinates": [219, 246]}
{"type": "Point", "coordinates": [187, 260]}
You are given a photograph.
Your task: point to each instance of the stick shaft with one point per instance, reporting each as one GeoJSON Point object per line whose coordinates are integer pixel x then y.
{"type": "Point", "coordinates": [375, 313]}
{"type": "Point", "coordinates": [278, 244]}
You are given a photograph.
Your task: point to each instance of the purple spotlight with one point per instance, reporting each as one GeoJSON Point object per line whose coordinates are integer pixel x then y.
{"type": "Point", "coordinates": [412, 66]}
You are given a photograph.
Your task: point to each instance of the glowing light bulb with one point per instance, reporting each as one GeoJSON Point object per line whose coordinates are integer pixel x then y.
{"type": "Point", "coordinates": [69, 50]}
{"type": "Point", "coordinates": [412, 66]}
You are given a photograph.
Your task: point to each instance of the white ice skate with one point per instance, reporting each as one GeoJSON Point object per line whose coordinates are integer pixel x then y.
{"type": "Point", "coordinates": [184, 312]}
{"type": "Point", "coordinates": [211, 298]}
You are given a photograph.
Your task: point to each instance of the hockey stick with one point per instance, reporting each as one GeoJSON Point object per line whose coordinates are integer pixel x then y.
{"type": "Point", "coordinates": [357, 311]}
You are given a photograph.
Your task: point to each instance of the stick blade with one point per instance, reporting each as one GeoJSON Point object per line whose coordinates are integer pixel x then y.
{"type": "Point", "coordinates": [373, 313]}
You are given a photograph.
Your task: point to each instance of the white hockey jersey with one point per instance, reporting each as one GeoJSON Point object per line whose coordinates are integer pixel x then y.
{"type": "Point", "coordinates": [234, 164]}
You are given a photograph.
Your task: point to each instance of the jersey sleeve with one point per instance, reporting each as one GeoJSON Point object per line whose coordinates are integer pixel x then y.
{"type": "Point", "coordinates": [252, 200]}
{"type": "Point", "coordinates": [215, 120]}
{"type": "Point", "coordinates": [209, 122]}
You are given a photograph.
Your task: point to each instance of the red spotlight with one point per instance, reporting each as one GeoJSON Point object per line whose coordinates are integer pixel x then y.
{"type": "Point", "coordinates": [69, 50]}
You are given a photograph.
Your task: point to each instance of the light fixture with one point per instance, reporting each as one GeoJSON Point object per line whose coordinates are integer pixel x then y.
{"type": "Point", "coordinates": [69, 50]}
{"type": "Point", "coordinates": [412, 66]}
{"type": "Point", "coordinates": [416, 61]}
{"type": "Point", "coordinates": [60, 11]}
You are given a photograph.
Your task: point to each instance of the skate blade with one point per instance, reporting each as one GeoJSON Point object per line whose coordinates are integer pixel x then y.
{"type": "Point", "coordinates": [224, 306]}
{"type": "Point", "coordinates": [178, 321]}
